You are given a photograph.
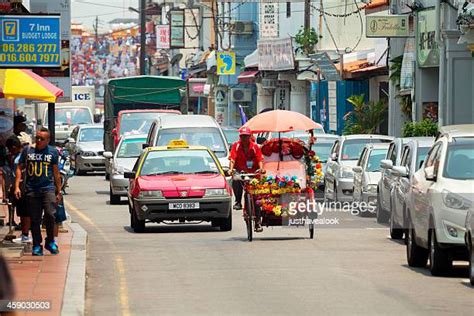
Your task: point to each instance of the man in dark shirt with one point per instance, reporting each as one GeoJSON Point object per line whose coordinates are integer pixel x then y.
{"type": "Point", "coordinates": [43, 189]}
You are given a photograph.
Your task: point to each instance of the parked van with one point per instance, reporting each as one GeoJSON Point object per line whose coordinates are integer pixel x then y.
{"type": "Point", "coordinates": [199, 130]}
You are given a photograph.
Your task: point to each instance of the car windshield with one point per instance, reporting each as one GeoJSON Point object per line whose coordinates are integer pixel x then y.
{"type": "Point", "coordinates": [322, 150]}
{"type": "Point", "coordinates": [231, 135]}
{"type": "Point", "coordinates": [209, 137]}
{"type": "Point", "coordinates": [422, 152]}
{"type": "Point", "coordinates": [130, 148]}
{"type": "Point", "coordinates": [138, 122]}
{"type": "Point", "coordinates": [375, 157]}
{"type": "Point", "coordinates": [71, 116]}
{"type": "Point", "coordinates": [459, 163]}
{"type": "Point", "coordinates": [352, 148]}
{"type": "Point", "coordinates": [178, 162]}
{"type": "Point", "coordinates": [91, 134]}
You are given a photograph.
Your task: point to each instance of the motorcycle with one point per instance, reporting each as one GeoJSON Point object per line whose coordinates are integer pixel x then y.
{"type": "Point", "coordinates": [65, 169]}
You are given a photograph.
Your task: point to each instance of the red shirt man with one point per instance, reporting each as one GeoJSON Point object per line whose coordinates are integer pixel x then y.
{"type": "Point", "coordinates": [245, 155]}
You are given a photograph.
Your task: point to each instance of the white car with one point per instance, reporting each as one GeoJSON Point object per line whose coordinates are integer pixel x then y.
{"type": "Point", "coordinates": [440, 195]}
{"type": "Point", "coordinates": [339, 177]}
{"type": "Point", "coordinates": [367, 175]}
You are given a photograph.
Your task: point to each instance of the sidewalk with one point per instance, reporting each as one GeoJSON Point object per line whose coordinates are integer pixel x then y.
{"type": "Point", "coordinates": [58, 279]}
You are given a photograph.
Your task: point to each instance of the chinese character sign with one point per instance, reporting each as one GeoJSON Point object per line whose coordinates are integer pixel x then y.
{"type": "Point", "coordinates": [269, 20]}
{"type": "Point", "coordinates": [162, 37]}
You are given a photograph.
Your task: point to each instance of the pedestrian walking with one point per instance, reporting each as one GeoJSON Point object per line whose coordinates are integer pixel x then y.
{"type": "Point", "coordinates": [15, 147]}
{"type": "Point", "coordinates": [43, 189]}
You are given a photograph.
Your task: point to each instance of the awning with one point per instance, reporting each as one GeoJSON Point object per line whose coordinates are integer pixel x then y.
{"type": "Point", "coordinates": [248, 76]}
{"type": "Point", "coordinates": [370, 68]}
{"type": "Point", "coordinates": [25, 84]}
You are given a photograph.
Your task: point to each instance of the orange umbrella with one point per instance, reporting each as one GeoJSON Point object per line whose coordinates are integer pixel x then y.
{"type": "Point", "coordinates": [281, 121]}
{"type": "Point", "coordinates": [22, 83]}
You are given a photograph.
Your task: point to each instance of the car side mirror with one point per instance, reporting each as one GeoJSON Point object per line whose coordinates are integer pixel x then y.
{"type": "Point", "coordinates": [97, 118]}
{"type": "Point", "coordinates": [114, 131]}
{"type": "Point", "coordinates": [261, 140]}
{"type": "Point", "coordinates": [386, 164]}
{"type": "Point", "coordinates": [107, 154]}
{"type": "Point", "coordinates": [226, 171]}
{"type": "Point", "coordinates": [129, 175]}
{"type": "Point", "coordinates": [421, 164]}
{"type": "Point", "coordinates": [70, 140]}
{"type": "Point", "coordinates": [400, 171]}
{"type": "Point", "coordinates": [334, 156]}
{"type": "Point", "coordinates": [430, 174]}
{"type": "Point", "coordinates": [357, 169]}
{"type": "Point", "coordinates": [145, 146]}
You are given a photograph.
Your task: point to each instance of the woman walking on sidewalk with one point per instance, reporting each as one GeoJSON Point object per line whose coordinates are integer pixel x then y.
{"type": "Point", "coordinates": [43, 189]}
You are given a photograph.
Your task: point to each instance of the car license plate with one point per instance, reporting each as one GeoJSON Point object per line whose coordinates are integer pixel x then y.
{"type": "Point", "coordinates": [184, 206]}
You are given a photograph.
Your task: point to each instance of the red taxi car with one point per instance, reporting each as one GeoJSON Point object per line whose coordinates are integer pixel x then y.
{"type": "Point", "coordinates": [179, 183]}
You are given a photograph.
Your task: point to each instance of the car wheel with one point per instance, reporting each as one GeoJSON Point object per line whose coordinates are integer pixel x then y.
{"type": "Point", "coordinates": [138, 225]}
{"type": "Point", "coordinates": [226, 223]}
{"type": "Point", "coordinates": [440, 262]}
{"type": "Point", "coordinates": [132, 220]}
{"type": "Point", "coordinates": [416, 255]}
{"type": "Point", "coordinates": [471, 262]}
{"type": "Point", "coordinates": [326, 193]}
{"type": "Point", "coordinates": [107, 176]}
{"type": "Point", "coordinates": [114, 199]}
{"type": "Point", "coordinates": [79, 172]}
{"type": "Point", "coordinates": [395, 231]}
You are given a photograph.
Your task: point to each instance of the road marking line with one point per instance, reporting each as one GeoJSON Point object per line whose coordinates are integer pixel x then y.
{"type": "Point", "coordinates": [123, 286]}
{"type": "Point", "coordinates": [124, 302]}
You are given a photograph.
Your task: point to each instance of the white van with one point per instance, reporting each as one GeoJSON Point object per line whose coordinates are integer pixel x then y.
{"type": "Point", "coordinates": [197, 130]}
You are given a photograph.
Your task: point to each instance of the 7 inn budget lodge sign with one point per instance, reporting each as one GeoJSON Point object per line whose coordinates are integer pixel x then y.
{"type": "Point", "coordinates": [30, 41]}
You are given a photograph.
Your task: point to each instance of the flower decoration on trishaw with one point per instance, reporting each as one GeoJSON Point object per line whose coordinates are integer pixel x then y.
{"type": "Point", "coordinates": [275, 191]}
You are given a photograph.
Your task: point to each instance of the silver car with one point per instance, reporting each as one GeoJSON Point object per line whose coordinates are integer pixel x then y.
{"type": "Point", "coordinates": [128, 150]}
{"type": "Point", "coordinates": [414, 154]}
{"type": "Point", "coordinates": [339, 177]}
{"type": "Point", "coordinates": [387, 181]}
{"type": "Point", "coordinates": [469, 239]}
{"type": "Point", "coordinates": [86, 148]}
{"type": "Point", "coordinates": [367, 174]}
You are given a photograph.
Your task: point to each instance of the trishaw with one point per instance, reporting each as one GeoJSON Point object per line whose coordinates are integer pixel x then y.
{"type": "Point", "coordinates": [292, 172]}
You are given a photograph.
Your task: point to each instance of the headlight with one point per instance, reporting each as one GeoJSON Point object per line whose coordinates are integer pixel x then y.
{"type": "Point", "coordinates": [371, 188]}
{"type": "Point", "coordinates": [453, 200]}
{"type": "Point", "coordinates": [151, 194]}
{"type": "Point", "coordinates": [346, 172]}
{"type": "Point", "coordinates": [215, 192]}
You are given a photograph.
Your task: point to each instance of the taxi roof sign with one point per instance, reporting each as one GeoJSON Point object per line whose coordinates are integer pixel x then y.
{"type": "Point", "coordinates": [178, 143]}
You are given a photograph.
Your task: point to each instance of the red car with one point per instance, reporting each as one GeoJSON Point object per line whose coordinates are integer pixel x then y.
{"type": "Point", "coordinates": [179, 183]}
{"type": "Point", "coordinates": [136, 122]}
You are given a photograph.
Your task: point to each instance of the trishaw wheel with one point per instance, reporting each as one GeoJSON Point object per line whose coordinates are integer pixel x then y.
{"type": "Point", "coordinates": [248, 217]}
{"type": "Point", "coordinates": [311, 231]}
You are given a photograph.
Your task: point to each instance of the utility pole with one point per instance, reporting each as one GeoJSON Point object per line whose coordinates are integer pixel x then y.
{"type": "Point", "coordinates": [307, 14]}
{"type": "Point", "coordinates": [96, 28]}
{"type": "Point", "coordinates": [142, 37]}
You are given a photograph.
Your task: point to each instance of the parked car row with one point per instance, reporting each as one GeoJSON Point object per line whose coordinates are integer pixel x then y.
{"type": "Point", "coordinates": [422, 186]}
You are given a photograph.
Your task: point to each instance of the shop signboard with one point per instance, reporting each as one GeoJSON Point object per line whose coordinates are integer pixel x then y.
{"type": "Point", "coordinates": [226, 63]}
{"type": "Point", "coordinates": [387, 26]}
{"type": "Point", "coordinates": [30, 41]}
{"type": "Point", "coordinates": [269, 12]}
{"type": "Point", "coordinates": [427, 51]}
{"type": "Point", "coordinates": [276, 54]}
{"type": "Point", "coordinates": [162, 37]}
{"type": "Point", "coordinates": [177, 28]}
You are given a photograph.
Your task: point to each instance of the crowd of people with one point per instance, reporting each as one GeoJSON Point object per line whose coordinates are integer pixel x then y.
{"type": "Point", "coordinates": [94, 61]}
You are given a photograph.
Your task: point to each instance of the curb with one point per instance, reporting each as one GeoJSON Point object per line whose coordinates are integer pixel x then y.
{"type": "Point", "coordinates": [75, 289]}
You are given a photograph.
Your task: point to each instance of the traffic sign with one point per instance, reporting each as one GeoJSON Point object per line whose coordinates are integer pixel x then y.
{"type": "Point", "coordinates": [226, 63]}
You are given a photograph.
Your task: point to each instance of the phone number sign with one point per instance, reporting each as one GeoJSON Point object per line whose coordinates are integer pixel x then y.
{"type": "Point", "coordinates": [30, 41]}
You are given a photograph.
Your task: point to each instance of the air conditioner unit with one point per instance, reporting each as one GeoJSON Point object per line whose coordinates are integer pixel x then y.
{"type": "Point", "coordinates": [238, 95]}
{"type": "Point", "coordinates": [241, 27]}
{"type": "Point", "coordinates": [269, 83]}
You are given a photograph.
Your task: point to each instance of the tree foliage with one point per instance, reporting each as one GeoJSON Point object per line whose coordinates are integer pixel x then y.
{"type": "Point", "coordinates": [365, 117]}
